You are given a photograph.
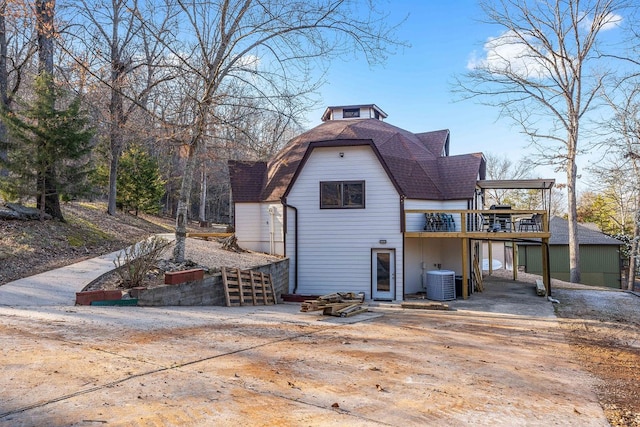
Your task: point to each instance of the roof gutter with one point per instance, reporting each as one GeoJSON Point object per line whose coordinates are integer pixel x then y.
{"type": "Point", "coordinates": [295, 239]}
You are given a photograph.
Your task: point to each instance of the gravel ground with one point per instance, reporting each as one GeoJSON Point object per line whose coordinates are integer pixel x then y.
{"type": "Point", "coordinates": [199, 253]}
{"type": "Point", "coordinates": [210, 254]}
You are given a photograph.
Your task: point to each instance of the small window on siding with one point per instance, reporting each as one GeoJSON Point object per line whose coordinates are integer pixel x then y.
{"type": "Point", "coordinates": [342, 195]}
{"type": "Point", "coordinates": [349, 113]}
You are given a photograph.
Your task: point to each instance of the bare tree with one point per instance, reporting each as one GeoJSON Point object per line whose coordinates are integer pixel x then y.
{"type": "Point", "coordinates": [125, 60]}
{"type": "Point", "coordinates": [624, 149]}
{"type": "Point", "coordinates": [16, 52]}
{"type": "Point", "coordinates": [544, 72]}
{"type": "Point", "coordinates": [502, 167]}
{"type": "Point", "coordinates": [270, 48]}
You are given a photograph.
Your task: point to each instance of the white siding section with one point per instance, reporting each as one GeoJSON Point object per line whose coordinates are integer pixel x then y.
{"type": "Point", "coordinates": [422, 255]}
{"type": "Point", "coordinates": [259, 227]}
{"type": "Point", "coordinates": [291, 247]}
{"type": "Point", "coordinates": [415, 221]}
{"type": "Point", "coordinates": [365, 113]}
{"type": "Point", "coordinates": [334, 245]}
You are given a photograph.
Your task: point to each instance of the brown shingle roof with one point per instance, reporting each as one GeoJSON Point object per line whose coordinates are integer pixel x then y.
{"type": "Point", "coordinates": [559, 228]}
{"type": "Point", "coordinates": [437, 141]}
{"type": "Point", "coordinates": [413, 161]}
{"type": "Point", "coordinates": [247, 180]}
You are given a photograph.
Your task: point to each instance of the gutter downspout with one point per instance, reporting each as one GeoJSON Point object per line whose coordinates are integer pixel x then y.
{"type": "Point", "coordinates": [295, 239]}
{"type": "Point", "coordinates": [272, 230]}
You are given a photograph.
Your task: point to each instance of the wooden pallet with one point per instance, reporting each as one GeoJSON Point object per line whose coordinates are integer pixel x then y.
{"type": "Point", "coordinates": [247, 287]}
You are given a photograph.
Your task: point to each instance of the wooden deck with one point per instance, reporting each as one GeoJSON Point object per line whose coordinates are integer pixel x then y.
{"type": "Point", "coordinates": [479, 235]}
{"type": "Point", "coordinates": [504, 225]}
{"type": "Point", "coordinates": [495, 224]}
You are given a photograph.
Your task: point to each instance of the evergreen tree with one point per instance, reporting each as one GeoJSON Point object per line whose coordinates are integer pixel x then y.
{"type": "Point", "coordinates": [140, 184]}
{"type": "Point", "coordinates": [47, 141]}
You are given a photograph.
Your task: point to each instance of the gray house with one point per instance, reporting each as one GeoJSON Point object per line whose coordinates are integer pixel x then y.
{"type": "Point", "coordinates": [600, 262]}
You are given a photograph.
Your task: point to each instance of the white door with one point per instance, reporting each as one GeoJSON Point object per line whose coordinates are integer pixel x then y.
{"type": "Point", "coordinates": [383, 274]}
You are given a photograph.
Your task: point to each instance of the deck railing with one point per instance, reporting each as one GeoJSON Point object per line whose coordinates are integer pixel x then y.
{"type": "Point", "coordinates": [459, 223]}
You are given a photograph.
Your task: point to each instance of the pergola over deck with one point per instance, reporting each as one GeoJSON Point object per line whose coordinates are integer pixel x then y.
{"type": "Point", "coordinates": [489, 224]}
{"type": "Point", "coordinates": [542, 185]}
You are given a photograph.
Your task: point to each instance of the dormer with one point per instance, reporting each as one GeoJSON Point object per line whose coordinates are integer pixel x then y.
{"type": "Point", "coordinates": [351, 112]}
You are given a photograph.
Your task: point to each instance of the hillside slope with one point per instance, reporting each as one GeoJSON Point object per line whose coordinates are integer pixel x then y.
{"type": "Point", "coordinates": [31, 247]}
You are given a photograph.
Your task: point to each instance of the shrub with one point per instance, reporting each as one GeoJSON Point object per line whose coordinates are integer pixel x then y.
{"type": "Point", "coordinates": [134, 263]}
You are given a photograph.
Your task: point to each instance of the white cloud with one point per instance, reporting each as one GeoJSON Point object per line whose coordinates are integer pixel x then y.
{"type": "Point", "coordinates": [612, 21]}
{"type": "Point", "coordinates": [609, 22]}
{"type": "Point", "coordinates": [249, 62]}
{"type": "Point", "coordinates": [509, 53]}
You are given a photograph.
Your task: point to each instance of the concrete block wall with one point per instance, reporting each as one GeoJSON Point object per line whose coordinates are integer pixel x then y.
{"type": "Point", "coordinates": [210, 290]}
{"type": "Point", "coordinates": [279, 274]}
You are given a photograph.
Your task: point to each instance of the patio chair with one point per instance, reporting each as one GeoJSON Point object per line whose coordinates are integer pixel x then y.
{"type": "Point", "coordinates": [531, 224]}
{"type": "Point", "coordinates": [431, 222]}
{"type": "Point", "coordinates": [449, 223]}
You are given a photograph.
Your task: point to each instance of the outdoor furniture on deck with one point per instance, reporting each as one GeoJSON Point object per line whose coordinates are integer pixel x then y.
{"type": "Point", "coordinates": [439, 222]}
{"type": "Point", "coordinates": [531, 224]}
{"type": "Point", "coordinates": [498, 221]}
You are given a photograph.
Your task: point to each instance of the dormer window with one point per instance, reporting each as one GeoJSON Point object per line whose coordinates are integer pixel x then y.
{"type": "Point", "coordinates": [346, 112]}
{"type": "Point", "coordinates": [350, 113]}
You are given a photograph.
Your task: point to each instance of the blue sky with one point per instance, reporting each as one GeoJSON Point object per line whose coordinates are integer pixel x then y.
{"type": "Point", "coordinates": [414, 86]}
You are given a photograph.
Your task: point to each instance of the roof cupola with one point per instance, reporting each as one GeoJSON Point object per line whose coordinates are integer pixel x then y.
{"type": "Point", "coordinates": [351, 112]}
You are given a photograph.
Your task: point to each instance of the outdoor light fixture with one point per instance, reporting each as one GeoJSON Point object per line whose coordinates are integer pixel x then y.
{"type": "Point", "coordinates": [383, 242]}
{"type": "Point", "coordinates": [341, 154]}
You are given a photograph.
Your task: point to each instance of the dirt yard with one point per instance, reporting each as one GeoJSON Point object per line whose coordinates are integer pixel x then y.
{"type": "Point", "coordinates": [603, 329]}
{"type": "Point", "coordinates": [508, 361]}
{"type": "Point", "coordinates": [502, 357]}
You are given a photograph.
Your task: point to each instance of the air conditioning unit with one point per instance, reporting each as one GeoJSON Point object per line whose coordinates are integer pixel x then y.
{"type": "Point", "coordinates": [440, 285]}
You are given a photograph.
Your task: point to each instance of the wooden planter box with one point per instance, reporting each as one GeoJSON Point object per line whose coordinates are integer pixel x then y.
{"type": "Point", "coordinates": [87, 297]}
{"type": "Point", "coordinates": [176, 277]}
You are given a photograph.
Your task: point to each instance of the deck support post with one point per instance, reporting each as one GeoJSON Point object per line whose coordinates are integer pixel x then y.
{"type": "Point", "coordinates": [546, 273]}
{"type": "Point", "coordinates": [490, 254]}
{"type": "Point", "coordinates": [514, 259]}
{"type": "Point", "coordinates": [465, 268]}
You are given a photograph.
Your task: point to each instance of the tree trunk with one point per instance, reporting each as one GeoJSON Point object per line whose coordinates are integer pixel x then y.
{"type": "Point", "coordinates": [113, 176]}
{"type": "Point", "coordinates": [574, 249]}
{"type": "Point", "coordinates": [51, 195]}
{"type": "Point", "coordinates": [117, 119]}
{"type": "Point", "coordinates": [203, 193]}
{"type": "Point", "coordinates": [182, 214]}
{"type": "Point", "coordinates": [4, 79]}
{"type": "Point", "coordinates": [633, 252]}
{"type": "Point", "coordinates": [45, 10]}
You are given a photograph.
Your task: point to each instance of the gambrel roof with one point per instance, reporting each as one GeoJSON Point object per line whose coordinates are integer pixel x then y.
{"type": "Point", "coordinates": [417, 164]}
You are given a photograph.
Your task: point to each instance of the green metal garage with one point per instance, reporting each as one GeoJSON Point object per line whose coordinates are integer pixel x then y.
{"type": "Point", "coordinates": [600, 262]}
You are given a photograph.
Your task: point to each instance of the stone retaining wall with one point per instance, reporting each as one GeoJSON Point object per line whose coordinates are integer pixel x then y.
{"type": "Point", "coordinates": [210, 290]}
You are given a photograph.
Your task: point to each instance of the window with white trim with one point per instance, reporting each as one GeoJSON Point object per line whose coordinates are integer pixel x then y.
{"type": "Point", "coordinates": [342, 195]}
